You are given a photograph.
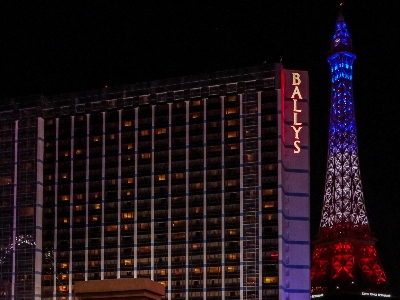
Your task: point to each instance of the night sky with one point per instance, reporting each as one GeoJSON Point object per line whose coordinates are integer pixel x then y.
{"type": "Point", "coordinates": [55, 47]}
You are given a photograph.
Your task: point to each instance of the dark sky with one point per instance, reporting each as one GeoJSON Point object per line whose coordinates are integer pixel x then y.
{"type": "Point", "coordinates": [54, 47]}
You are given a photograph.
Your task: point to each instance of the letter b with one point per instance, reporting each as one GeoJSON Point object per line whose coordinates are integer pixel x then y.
{"type": "Point", "coordinates": [296, 79]}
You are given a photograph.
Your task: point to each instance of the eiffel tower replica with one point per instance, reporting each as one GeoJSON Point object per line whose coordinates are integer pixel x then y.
{"type": "Point", "coordinates": [345, 260]}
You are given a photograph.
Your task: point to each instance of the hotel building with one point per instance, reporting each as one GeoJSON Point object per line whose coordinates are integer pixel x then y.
{"type": "Point", "coordinates": [200, 183]}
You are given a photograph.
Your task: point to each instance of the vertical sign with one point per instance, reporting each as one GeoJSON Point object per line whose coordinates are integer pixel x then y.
{"type": "Point", "coordinates": [295, 109]}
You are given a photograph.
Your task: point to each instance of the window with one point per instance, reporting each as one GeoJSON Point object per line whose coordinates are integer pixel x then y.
{"type": "Point", "coordinates": [269, 192]}
{"type": "Point", "coordinates": [130, 146]}
{"type": "Point", "coordinates": [196, 102]}
{"type": "Point", "coordinates": [270, 279]}
{"type": "Point", "coordinates": [233, 122]}
{"type": "Point", "coordinates": [146, 155]}
{"type": "Point", "coordinates": [231, 110]}
{"type": "Point", "coordinates": [144, 132]}
{"type": "Point", "coordinates": [161, 177]}
{"type": "Point", "coordinates": [78, 207]}
{"type": "Point", "coordinates": [230, 269]}
{"type": "Point", "coordinates": [127, 215]}
{"type": "Point", "coordinates": [128, 123]}
{"type": "Point", "coordinates": [215, 269]}
{"type": "Point", "coordinates": [111, 228]}
{"type": "Point", "coordinates": [97, 206]}
{"type": "Point", "coordinates": [128, 262]}
{"type": "Point", "coordinates": [233, 134]}
{"type": "Point", "coordinates": [65, 197]}
{"type": "Point", "coordinates": [161, 130]}
{"type": "Point", "coordinates": [96, 138]}
{"type": "Point", "coordinates": [196, 115]}
{"type": "Point", "coordinates": [232, 256]}
{"type": "Point", "coordinates": [130, 180]}
{"type": "Point", "coordinates": [269, 204]}
{"type": "Point", "coordinates": [232, 231]}
{"type": "Point", "coordinates": [179, 176]}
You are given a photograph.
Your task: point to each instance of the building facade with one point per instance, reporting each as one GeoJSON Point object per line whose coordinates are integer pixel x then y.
{"type": "Point", "coordinates": [199, 183]}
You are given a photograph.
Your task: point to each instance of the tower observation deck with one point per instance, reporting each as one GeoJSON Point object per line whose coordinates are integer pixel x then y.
{"type": "Point", "coordinates": [345, 259]}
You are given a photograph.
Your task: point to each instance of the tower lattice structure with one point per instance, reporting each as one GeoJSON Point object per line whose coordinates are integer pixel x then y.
{"type": "Point", "coordinates": [344, 258]}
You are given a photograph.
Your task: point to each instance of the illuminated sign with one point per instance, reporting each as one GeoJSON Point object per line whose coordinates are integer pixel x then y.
{"type": "Point", "coordinates": [376, 294]}
{"type": "Point", "coordinates": [295, 90]}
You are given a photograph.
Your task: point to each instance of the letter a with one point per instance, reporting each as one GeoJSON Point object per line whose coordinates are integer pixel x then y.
{"type": "Point", "coordinates": [296, 146]}
{"type": "Point", "coordinates": [296, 92]}
{"type": "Point", "coordinates": [296, 79]}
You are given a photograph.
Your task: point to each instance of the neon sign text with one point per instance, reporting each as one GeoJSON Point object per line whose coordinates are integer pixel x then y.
{"type": "Point", "coordinates": [296, 95]}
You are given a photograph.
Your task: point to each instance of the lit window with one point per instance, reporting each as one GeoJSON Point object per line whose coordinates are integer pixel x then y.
{"type": "Point", "coordinates": [161, 130]}
{"type": "Point", "coordinates": [231, 110]}
{"type": "Point", "coordinates": [65, 197]}
{"type": "Point", "coordinates": [111, 136]}
{"type": "Point", "coordinates": [197, 270]}
{"type": "Point", "coordinates": [64, 265]}
{"type": "Point", "coordinates": [163, 272]}
{"type": "Point", "coordinates": [215, 269]}
{"type": "Point", "coordinates": [127, 123]}
{"type": "Point", "coordinates": [143, 225]}
{"type": "Point", "coordinates": [196, 115]}
{"type": "Point", "coordinates": [144, 132]}
{"type": "Point", "coordinates": [130, 146]}
{"type": "Point", "coordinates": [146, 155]}
{"type": "Point", "coordinates": [65, 220]}
{"type": "Point", "coordinates": [195, 246]}
{"type": "Point", "coordinates": [232, 231]}
{"type": "Point", "coordinates": [269, 204]}
{"type": "Point", "coordinates": [97, 206]}
{"type": "Point", "coordinates": [197, 185]}
{"type": "Point", "coordinates": [64, 175]}
{"type": "Point", "coordinates": [233, 122]}
{"type": "Point", "coordinates": [128, 262]}
{"type": "Point", "coordinates": [78, 207]}
{"type": "Point", "coordinates": [95, 218]}
{"type": "Point", "coordinates": [196, 102]}
{"type": "Point", "coordinates": [130, 180]}
{"type": "Point", "coordinates": [79, 196]}
{"type": "Point", "coordinates": [63, 288]}
{"type": "Point", "coordinates": [233, 134]}
{"type": "Point", "coordinates": [161, 177]}
{"type": "Point", "coordinates": [197, 210]}
{"type": "Point", "coordinates": [128, 193]}
{"type": "Point", "coordinates": [111, 228]}
{"type": "Point", "coordinates": [164, 283]}
{"type": "Point", "coordinates": [64, 276]}
{"type": "Point", "coordinates": [66, 153]}
{"type": "Point", "coordinates": [96, 139]}
{"type": "Point", "coordinates": [232, 256]}
{"type": "Point", "coordinates": [127, 215]}
{"type": "Point", "coordinates": [231, 183]}
{"type": "Point", "coordinates": [270, 279]}
{"type": "Point", "coordinates": [78, 151]}
{"type": "Point", "coordinates": [269, 192]}
{"type": "Point", "coordinates": [270, 217]}
{"type": "Point", "coordinates": [179, 175]}
{"type": "Point", "coordinates": [230, 269]}
{"type": "Point", "coordinates": [233, 147]}
{"type": "Point", "coordinates": [125, 227]}
{"type": "Point", "coordinates": [144, 249]}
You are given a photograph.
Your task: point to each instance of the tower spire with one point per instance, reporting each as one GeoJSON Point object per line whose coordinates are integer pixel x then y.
{"type": "Point", "coordinates": [344, 255]}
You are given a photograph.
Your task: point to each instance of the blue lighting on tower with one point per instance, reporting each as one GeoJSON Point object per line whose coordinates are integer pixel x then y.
{"type": "Point", "coordinates": [342, 124]}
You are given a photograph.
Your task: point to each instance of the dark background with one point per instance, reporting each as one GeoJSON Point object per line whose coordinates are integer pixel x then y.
{"type": "Point", "coordinates": [54, 47]}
